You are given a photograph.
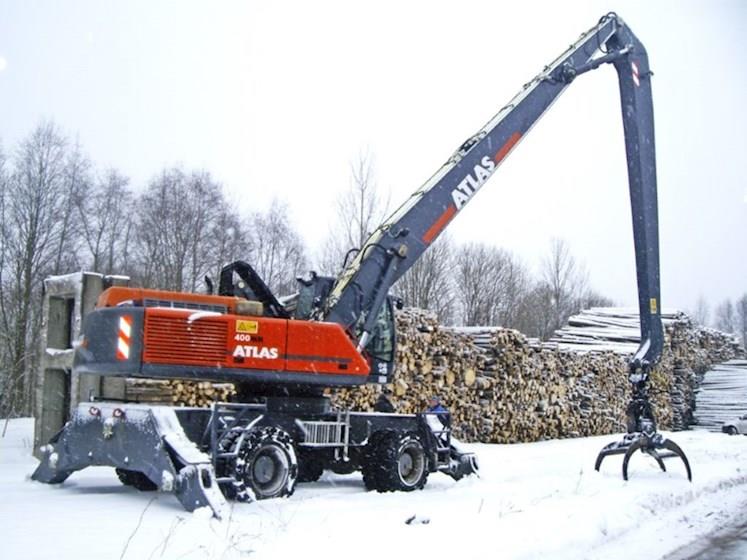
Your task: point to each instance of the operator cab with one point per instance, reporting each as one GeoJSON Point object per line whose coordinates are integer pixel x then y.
{"type": "Point", "coordinates": [382, 344]}
{"type": "Point", "coordinates": [239, 279]}
{"type": "Point", "coordinates": [313, 292]}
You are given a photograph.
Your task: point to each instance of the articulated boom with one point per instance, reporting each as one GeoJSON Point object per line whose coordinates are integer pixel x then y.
{"type": "Point", "coordinates": [397, 244]}
{"type": "Point", "coordinates": [357, 296]}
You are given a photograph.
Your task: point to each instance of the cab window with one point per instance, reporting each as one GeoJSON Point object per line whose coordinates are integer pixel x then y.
{"type": "Point", "coordinates": [381, 346]}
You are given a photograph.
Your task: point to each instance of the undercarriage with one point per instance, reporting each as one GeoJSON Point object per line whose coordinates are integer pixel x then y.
{"type": "Point", "coordinates": [248, 452]}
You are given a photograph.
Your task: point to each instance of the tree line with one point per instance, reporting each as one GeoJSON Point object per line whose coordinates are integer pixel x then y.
{"type": "Point", "coordinates": [61, 213]}
{"type": "Point", "coordinates": [729, 316]}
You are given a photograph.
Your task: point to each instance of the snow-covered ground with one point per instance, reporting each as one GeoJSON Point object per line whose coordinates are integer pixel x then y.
{"type": "Point", "coordinates": [539, 500]}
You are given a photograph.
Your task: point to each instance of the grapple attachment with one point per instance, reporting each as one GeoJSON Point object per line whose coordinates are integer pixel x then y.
{"type": "Point", "coordinates": [642, 434]}
{"type": "Point", "coordinates": [649, 444]}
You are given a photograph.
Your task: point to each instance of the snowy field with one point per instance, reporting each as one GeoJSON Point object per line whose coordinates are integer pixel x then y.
{"type": "Point", "coordinates": [539, 500]}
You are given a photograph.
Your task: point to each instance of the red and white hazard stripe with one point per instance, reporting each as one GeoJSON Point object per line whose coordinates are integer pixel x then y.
{"type": "Point", "coordinates": [636, 75]}
{"type": "Point", "coordinates": [123, 340]}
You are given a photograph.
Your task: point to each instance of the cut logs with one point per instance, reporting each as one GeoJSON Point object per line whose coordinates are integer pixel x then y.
{"type": "Point", "coordinates": [503, 387]}
{"type": "Point", "coordinates": [177, 392]}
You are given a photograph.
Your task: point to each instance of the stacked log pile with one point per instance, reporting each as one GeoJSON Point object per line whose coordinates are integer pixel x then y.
{"type": "Point", "coordinates": [722, 395]}
{"type": "Point", "coordinates": [502, 387]}
{"type": "Point", "coordinates": [177, 392]}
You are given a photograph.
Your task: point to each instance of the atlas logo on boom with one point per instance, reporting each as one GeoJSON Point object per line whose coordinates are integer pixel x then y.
{"type": "Point", "coordinates": [470, 184]}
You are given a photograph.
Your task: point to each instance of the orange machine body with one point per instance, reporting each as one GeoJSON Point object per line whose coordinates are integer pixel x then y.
{"type": "Point", "coordinates": [203, 336]}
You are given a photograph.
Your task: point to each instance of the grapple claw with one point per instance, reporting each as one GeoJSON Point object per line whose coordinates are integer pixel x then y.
{"type": "Point", "coordinates": [614, 448]}
{"type": "Point", "coordinates": [649, 444]}
{"type": "Point", "coordinates": [674, 448]}
{"type": "Point", "coordinates": [659, 459]}
{"type": "Point", "coordinates": [635, 446]}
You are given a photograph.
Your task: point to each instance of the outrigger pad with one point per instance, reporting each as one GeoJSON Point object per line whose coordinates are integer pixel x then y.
{"type": "Point", "coordinates": [649, 444]}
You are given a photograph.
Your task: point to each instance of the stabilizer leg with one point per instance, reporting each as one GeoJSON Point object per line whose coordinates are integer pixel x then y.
{"type": "Point", "coordinates": [144, 439]}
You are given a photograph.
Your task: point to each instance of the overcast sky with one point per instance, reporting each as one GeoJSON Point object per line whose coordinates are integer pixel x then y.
{"type": "Point", "coordinates": [276, 99]}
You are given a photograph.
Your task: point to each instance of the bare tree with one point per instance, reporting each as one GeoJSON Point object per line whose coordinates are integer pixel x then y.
{"type": "Point", "coordinates": [566, 281]}
{"type": "Point", "coordinates": [516, 283]}
{"type": "Point", "coordinates": [175, 223]}
{"type": "Point", "coordinates": [105, 219]}
{"type": "Point", "coordinates": [230, 240]}
{"type": "Point", "coordinates": [725, 317]}
{"type": "Point", "coordinates": [561, 291]}
{"type": "Point", "coordinates": [429, 284]}
{"type": "Point", "coordinates": [535, 317]}
{"type": "Point", "coordinates": [33, 235]}
{"type": "Point", "coordinates": [741, 319]}
{"type": "Point", "coordinates": [5, 334]}
{"type": "Point", "coordinates": [76, 184]}
{"type": "Point", "coordinates": [360, 210]}
{"type": "Point", "coordinates": [701, 313]}
{"type": "Point", "coordinates": [279, 254]}
{"type": "Point", "coordinates": [591, 298]}
{"type": "Point", "coordinates": [481, 276]}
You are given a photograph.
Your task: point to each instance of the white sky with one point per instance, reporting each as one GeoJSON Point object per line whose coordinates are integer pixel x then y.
{"type": "Point", "coordinates": [276, 99]}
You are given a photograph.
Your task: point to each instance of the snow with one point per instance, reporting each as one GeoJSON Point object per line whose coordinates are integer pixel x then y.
{"type": "Point", "coordinates": [538, 500]}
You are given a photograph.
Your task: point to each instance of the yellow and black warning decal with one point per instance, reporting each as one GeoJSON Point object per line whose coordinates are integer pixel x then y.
{"type": "Point", "coordinates": [247, 327]}
{"type": "Point", "coordinates": [654, 306]}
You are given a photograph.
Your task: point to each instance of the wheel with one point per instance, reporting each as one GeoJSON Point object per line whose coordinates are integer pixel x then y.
{"type": "Point", "coordinates": [397, 462]}
{"type": "Point", "coordinates": [370, 463]}
{"type": "Point", "coordinates": [224, 467]}
{"type": "Point", "coordinates": [136, 479]}
{"type": "Point", "coordinates": [265, 466]}
{"type": "Point", "coordinates": [310, 468]}
{"type": "Point", "coordinates": [732, 431]}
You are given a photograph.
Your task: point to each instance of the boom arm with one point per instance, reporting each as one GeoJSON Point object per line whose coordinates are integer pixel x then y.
{"type": "Point", "coordinates": [395, 246]}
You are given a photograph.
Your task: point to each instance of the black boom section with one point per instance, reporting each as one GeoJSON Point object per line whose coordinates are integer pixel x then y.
{"type": "Point", "coordinates": [251, 286]}
{"type": "Point", "coordinates": [634, 78]}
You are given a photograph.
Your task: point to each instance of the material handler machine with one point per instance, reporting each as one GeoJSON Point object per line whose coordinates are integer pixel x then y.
{"type": "Point", "coordinates": [340, 332]}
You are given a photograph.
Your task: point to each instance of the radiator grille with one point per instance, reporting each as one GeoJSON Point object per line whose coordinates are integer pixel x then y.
{"type": "Point", "coordinates": [174, 340]}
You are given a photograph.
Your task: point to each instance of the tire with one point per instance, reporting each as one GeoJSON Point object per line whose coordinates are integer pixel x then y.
{"type": "Point", "coordinates": [310, 468]}
{"type": "Point", "coordinates": [265, 466]}
{"type": "Point", "coordinates": [732, 431]}
{"type": "Point", "coordinates": [370, 462]}
{"type": "Point", "coordinates": [136, 479]}
{"type": "Point", "coordinates": [397, 463]}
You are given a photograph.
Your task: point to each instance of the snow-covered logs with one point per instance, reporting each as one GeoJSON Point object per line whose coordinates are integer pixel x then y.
{"type": "Point", "coordinates": [502, 387]}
